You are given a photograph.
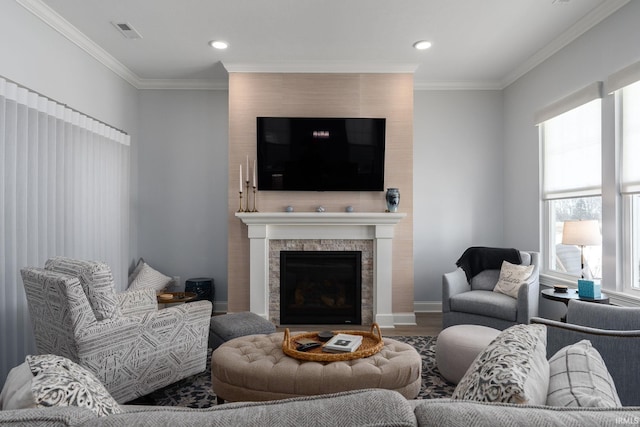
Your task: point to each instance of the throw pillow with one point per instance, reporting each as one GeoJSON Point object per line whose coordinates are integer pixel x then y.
{"type": "Point", "coordinates": [57, 381]}
{"type": "Point", "coordinates": [512, 276]}
{"type": "Point", "coordinates": [512, 369]}
{"type": "Point", "coordinates": [148, 277]}
{"type": "Point", "coordinates": [579, 377]}
{"type": "Point", "coordinates": [96, 280]}
{"type": "Point", "coordinates": [136, 270]}
{"type": "Point", "coordinates": [16, 393]}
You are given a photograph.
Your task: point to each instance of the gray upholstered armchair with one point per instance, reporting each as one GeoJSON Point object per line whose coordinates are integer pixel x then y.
{"type": "Point", "coordinates": [613, 331]}
{"type": "Point", "coordinates": [132, 347]}
{"type": "Point", "coordinates": [472, 300]}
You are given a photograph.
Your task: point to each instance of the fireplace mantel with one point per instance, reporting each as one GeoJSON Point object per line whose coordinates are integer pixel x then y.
{"type": "Point", "coordinates": [378, 227]}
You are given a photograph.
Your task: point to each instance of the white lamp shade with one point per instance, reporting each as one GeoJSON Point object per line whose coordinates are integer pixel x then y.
{"type": "Point", "coordinates": [581, 233]}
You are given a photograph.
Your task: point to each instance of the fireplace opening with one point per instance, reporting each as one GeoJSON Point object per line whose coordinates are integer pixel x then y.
{"type": "Point", "coordinates": [320, 287]}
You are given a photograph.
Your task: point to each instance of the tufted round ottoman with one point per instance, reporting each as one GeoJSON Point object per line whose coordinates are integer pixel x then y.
{"type": "Point", "coordinates": [254, 368]}
{"type": "Point", "coordinates": [457, 347]}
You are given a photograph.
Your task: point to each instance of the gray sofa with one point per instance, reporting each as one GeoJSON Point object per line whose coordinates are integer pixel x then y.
{"type": "Point", "coordinates": [358, 408]}
{"type": "Point", "coordinates": [377, 407]}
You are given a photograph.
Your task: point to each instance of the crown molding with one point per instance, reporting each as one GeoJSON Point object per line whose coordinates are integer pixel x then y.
{"type": "Point", "coordinates": [64, 27]}
{"type": "Point", "coordinates": [457, 85]}
{"type": "Point", "coordinates": [318, 67]}
{"type": "Point", "coordinates": [589, 21]}
{"type": "Point", "coordinates": [184, 84]}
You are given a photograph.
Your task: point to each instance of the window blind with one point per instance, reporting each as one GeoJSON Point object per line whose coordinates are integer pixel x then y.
{"type": "Point", "coordinates": [64, 190]}
{"type": "Point", "coordinates": [572, 153]}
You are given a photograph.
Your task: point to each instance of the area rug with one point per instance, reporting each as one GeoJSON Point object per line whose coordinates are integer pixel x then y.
{"type": "Point", "coordinates": [195, 391]}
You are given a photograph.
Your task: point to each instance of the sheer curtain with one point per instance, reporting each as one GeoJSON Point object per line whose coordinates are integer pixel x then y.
{"type": "Point", "coordinates": [64, 190]}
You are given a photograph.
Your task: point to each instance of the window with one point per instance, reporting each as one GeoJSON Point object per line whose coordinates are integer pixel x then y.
{"type": "Point", "coordinates": [629, 122]}
{"type": "Point", "coordinates": [571, 184]}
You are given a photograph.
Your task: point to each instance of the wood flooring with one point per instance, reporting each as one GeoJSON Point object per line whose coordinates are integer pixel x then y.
{"type": "Point", "coordinates": [427, 324]}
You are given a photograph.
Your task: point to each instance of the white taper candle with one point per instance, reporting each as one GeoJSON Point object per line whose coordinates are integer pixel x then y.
{"type": "Point", "coordinates": [254, 173]}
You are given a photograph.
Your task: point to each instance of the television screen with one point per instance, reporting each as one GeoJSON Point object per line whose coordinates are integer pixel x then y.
{"type": "Point", "coordinates": [320, 154]}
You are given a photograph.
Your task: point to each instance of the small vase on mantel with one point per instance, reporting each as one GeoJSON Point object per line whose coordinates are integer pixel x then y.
{"type": "Point", "coordinates": [393, 199]}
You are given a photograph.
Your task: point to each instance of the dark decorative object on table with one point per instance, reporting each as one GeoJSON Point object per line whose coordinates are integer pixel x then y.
{"type": "Point", "coordinates": [325, 335]}
{"type": "Point", "coordinates": [393, 199]}
{"type": "Point", "coordinates": [202, 287]}
{"type": "Point", "coordinates": [560, 288]}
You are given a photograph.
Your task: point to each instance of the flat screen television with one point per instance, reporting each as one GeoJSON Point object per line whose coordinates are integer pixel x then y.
{"type": "Point", "coordinates": [320, 154]}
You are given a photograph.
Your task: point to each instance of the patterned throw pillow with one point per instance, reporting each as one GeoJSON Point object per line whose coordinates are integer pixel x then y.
{"type": "Point", "coordinates": [57, 381]}
{"type": "Point", "coordinates": [148, 277]}
{"type": "Point", "coordinates": [512, 276]}
{"type": "Point", "coordinates": [512, 369]}
{"type": "Point", "coordinates": [579, 377]}
{"type": "Point", "coordinates": [96, 280]}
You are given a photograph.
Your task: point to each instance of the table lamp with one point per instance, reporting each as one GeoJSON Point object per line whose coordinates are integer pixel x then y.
{"type": "Point", "coordinates": [581, 233]}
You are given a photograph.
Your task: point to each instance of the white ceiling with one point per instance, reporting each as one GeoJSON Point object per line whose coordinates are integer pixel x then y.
{"type": "Point", "coordinates": [476, 43]}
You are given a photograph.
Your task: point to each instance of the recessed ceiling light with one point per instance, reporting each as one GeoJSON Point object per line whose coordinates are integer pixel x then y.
{"type": "Point", "coordinates": [422, 45]}
{"type": "Point", "coordinates": [218, 44]}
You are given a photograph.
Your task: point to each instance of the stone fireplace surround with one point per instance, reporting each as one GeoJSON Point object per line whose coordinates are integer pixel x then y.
{"type": "Point", "coordinates": [365, 247]}
{"type": "Point", "coordinates": [332, 230]}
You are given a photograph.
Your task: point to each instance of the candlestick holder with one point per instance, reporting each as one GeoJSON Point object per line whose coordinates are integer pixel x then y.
{"type": "Point", "coordinates": [240, 208]}
{"type": "Point", "coordinates": [246, 202]}
{"type": "Point", "coordinates": [255, 206]}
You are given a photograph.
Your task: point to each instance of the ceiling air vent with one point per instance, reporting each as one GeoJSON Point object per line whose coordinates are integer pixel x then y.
{"type": "Point", "coordinates": [127, 30]}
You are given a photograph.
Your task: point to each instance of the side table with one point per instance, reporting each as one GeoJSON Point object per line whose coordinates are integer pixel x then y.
{"type": "Point", "coordinates": [176, 297]}
{"type": "Point", "coordinates": [565, 297]}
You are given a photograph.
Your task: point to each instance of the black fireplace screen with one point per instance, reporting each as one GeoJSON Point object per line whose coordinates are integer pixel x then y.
{"type": "Point", "coordinates": [320, 287]}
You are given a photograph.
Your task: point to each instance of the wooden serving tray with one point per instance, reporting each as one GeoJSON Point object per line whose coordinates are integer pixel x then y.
{"type": "Point", "coordinates": [371, 344]}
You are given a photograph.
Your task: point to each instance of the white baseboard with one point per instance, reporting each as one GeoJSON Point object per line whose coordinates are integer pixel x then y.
{"type": "Point", "coordinates": [404, 319]}
{"type": "Point", "coordinates": [220, 307]}
{"type": "Point", "coordinates": [427, 306]}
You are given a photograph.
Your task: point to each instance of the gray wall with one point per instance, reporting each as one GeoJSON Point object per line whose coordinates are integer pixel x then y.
{"type": "Point", "coordinates": [475, 152]}
{"type": "Point", "coordinates": [458, 182]}
{"type": "Point", "coordinates": [35, 56]}
{"type": "Point", "coordinates": [182, 203]}
{"type": "Point", "coordinates": [606, 48]}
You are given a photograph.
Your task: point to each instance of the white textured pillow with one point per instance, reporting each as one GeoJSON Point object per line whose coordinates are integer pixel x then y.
{"type": "Point", "coordinates": [49, 380]}
{"type": "Point", "coordinates": [579, 377]}
{"type": "Point", "coordinates": [136, 270]}
{"type": "Point", "coordinates": [512, 276]}
{"type": "Point", "coordinates": [512, 369]}
{"type": "Point", "coordinates": [148, 277]}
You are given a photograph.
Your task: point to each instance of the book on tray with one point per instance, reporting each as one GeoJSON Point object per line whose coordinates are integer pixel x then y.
{"type": "Point", "coordinates": [343, 343]}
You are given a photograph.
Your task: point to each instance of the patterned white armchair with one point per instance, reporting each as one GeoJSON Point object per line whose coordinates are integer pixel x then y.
{"type": "Point", "coordinates": [130, 345]}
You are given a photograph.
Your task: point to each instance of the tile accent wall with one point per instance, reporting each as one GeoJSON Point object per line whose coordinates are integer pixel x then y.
{"type": "Point", "coordinates": [364, 246]}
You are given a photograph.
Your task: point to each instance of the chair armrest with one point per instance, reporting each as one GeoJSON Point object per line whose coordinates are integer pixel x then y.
{"type": "Point", "coordinates": [620, 350]}
{"type": "Point", "coordinates": [138, 302]}
{"type": "Point", "coordinates": [197, 314]}
{"type": "Point", "coordinates": [528, 298]}
{"type": "Point", "coordinates": [453, 283]}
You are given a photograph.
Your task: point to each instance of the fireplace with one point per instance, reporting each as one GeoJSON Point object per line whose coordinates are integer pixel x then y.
{"type": "Point", "coordinates": [372, 233]}
{"type": "Point", "coordinates": [320, 287]}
